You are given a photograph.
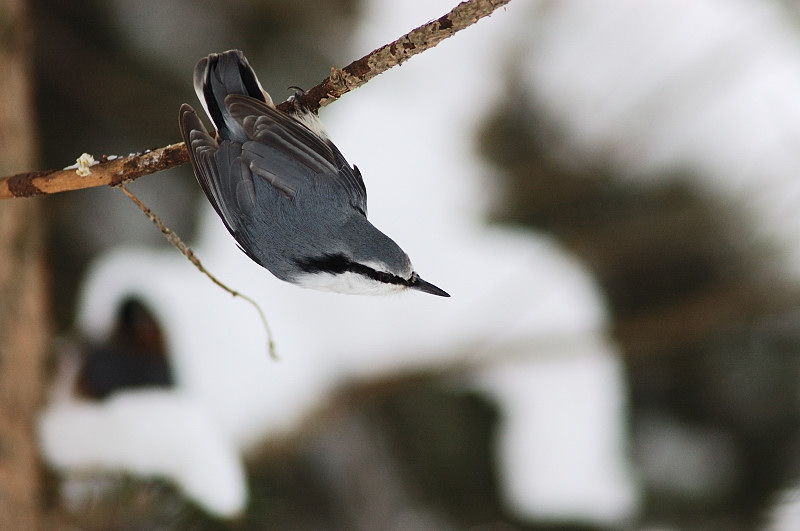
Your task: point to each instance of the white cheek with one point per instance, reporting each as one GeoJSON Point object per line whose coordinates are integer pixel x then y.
{"type": "Point", "coordinates": [351, 283]}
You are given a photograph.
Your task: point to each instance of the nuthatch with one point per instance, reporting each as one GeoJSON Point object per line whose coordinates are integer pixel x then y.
{"type": "Point", "coordinates": [284, 191]}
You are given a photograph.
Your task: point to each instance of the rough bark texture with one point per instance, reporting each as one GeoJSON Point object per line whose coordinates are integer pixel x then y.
{"type": "Point", "coordinates": [23, 323]}
{"type": "Point", "coordinates": [112, 172]}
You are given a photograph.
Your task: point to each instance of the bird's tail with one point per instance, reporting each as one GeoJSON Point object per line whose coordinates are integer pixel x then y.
{"type": "Point", "coordinates": [222, 74]}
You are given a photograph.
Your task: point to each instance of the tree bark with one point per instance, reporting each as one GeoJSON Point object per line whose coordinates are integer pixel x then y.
{"type": "Point", "coordinates": [23, 314]}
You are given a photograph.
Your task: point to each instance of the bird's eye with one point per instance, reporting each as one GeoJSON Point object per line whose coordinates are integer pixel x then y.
{"type": "Point", "coordinates": [384, 277]}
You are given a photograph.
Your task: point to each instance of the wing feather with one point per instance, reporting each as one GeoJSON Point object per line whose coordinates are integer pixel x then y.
{"type": "Point", "coordinates": [285, 152]}
{"type": "Point", "coordinates": [218, 166]}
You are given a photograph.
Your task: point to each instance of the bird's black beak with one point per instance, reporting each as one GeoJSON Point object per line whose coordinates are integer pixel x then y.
{"type": "Point", "coordinates": [420, 285]}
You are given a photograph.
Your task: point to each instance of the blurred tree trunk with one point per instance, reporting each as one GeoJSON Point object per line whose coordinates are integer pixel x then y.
{"type": "Point", "coordinates": [23, 317]}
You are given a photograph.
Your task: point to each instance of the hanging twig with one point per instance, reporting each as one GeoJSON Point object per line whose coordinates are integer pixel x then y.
{"type": "Point", "coordinates": [126, 169]}
{"type": "Point", "coordinates": [176, 242]}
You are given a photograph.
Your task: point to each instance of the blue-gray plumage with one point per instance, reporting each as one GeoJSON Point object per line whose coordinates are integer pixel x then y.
{"type": "Point", "coordinates": [283, 189]}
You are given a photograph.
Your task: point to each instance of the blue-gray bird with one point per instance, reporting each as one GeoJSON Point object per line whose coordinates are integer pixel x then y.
{"type": "Point", "coordinates": [284, 191]}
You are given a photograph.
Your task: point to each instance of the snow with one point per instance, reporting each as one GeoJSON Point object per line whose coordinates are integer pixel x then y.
{"type": "Point", "coordinates": [786, 514]}
{"type": "Point", "coordinates": [148, 433]}
{"type": "Point", "coordinates": [559, 460]}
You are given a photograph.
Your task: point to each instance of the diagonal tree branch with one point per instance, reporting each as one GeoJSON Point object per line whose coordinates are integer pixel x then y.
{"type": "Point", "coordinates": [125, 169]}
{"type": "Point", "coordinates": [112, 172]}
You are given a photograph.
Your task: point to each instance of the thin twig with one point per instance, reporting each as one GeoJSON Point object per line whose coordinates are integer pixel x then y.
{"type": "Point", "coordinates": [176, 242]}
{"type": "Point", "coordinates": [126, 169]}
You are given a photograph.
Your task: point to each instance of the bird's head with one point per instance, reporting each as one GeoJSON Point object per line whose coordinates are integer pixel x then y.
{"type": "Point", "coordinates": [363, 260]}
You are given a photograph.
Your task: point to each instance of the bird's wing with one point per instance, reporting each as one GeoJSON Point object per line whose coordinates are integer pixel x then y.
{"type": "Point", "coordinates": [219, 169]}
{"type": "Point", "coordinates": [286, 152]}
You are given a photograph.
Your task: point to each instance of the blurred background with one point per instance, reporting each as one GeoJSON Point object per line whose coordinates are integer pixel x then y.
{"type": "Point", "coordinates": [653, 144]}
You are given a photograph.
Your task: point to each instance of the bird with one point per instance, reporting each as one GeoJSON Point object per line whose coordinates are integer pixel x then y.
{"type": "Point", "coordinates": [284, 191]}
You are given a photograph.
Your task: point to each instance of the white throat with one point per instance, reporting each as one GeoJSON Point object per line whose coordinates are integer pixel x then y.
{"type": "Point", "coordinates": [347, 282]}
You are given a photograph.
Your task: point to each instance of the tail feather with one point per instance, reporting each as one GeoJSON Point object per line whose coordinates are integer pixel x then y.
{"type": "Point", "coordinates": [219, 75]}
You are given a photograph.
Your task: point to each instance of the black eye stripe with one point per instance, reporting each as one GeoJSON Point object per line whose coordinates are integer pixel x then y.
{"type": "Point", "coordinates": [380, 276]}
{"type": "Point", "coordinates": [339, 263]}
{"type": "Point", "coordinates": [327, 263]}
